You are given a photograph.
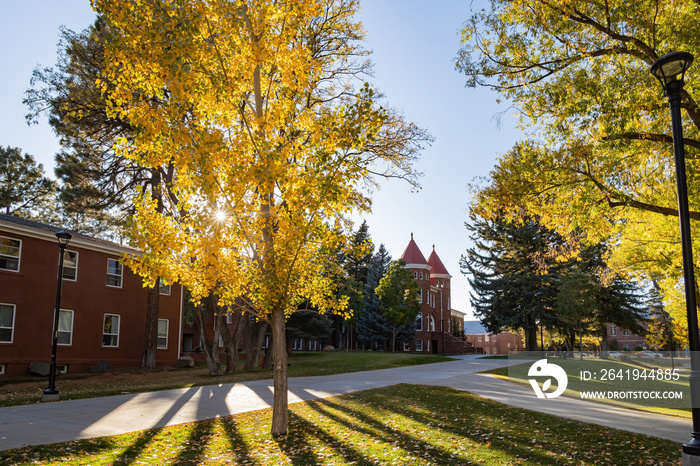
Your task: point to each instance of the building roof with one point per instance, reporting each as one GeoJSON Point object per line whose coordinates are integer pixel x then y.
{"type": "Point", "coordinates": [47, 232]}
{"type": "Point", "coordinates": [437, 267]}
{"type": "Point", "coordinates": [412, 254]}
{"type": "Point", "coordinates": [473, 327]}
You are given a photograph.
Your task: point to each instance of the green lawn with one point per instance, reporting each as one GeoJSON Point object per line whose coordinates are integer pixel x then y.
{"type": "Point", "coordinates": [28, 391]}
{"type": "Point", "coordinates": [399, 425]}
{"type": "Point", "coordinates": [620, 376]}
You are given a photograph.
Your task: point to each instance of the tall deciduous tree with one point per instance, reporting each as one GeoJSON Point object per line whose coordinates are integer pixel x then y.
{"type": "Point", "coordinates": [600, 150]}
{"type": "Point", "coordinates": [252, 105]}
{"type": "Point", "coordinates": [24, 190]}
{"type": "Point", "coordinates": [398, 293]}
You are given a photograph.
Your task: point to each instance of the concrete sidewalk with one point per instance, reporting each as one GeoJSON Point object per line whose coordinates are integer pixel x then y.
{"type": "Point", "coordinates": [78, 419]}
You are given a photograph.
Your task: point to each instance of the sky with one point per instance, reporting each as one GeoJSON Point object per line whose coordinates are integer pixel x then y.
{"type": "Point", "coordinates": [414, 44]}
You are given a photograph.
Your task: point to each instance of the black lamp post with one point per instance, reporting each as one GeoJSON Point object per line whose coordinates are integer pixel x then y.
{"type": "Point", "coordinates": [670, 70]}
{"type": "Point", "coordinates": [51, 393]}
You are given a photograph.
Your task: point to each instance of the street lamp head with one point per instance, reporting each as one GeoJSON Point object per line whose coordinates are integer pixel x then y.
{"type": "Point", "coordinates": [671, 68]}
{"type": "Point", "coordinates": [63, 238]}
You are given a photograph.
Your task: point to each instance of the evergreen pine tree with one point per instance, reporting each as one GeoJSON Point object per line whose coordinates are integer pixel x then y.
{"type": "Point", "coordinates": [372, 328]}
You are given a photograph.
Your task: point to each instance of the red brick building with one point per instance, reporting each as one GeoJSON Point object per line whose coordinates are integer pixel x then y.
{"type": "Point", "coordinates": [491, 343]}
{"type": "Point", "coordinates": [622, 339]}
{"type": "Point", "coordinates": [103, 304]}
{"type": "Point", "coordinates": [434, 321]}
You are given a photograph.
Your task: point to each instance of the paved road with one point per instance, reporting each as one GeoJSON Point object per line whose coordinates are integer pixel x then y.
{"type": "Point", "coordinates": [77, 419]}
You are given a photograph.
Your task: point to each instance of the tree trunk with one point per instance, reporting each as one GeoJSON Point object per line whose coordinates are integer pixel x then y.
{"type": "Point", "coordinates": [267, 363]}
{"type": "Point", "coordinates": [231, 344]}
{"type": "Point", "coordinates": [253, 343]}
{"type": "Point", "coordinates": [604, 343]}
{"type": "Point", "coordinates": [150, 344]}
{"type": "Point", "coordinates": [211, 352]}
{"type": "Point", "coordinates": [280, 412]}
{"type": "Point", "coordinates": [393, 338]}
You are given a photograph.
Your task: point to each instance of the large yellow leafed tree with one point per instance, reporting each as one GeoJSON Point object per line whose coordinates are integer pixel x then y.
{"type": "Point", "coordinates": [599, 155]}
{"type": "Point", "coordinates": [255, 111]}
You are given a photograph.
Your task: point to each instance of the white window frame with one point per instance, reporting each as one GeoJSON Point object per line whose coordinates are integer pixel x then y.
{"type": "Point", "coordinates": [626, 333]}
{"type": "Point", "coordinates": [71, 312]}
{"type": "Point", "coordinates": [427, 343]}
{"type": "Point", "coordinates": [421, 275]}
{"type": "Point", "coordinates": [163, 289]}
{"type": "Point", "coordinates": [229, 317]}
{"type": "Point", "coordinates": [613, 331]}
{"type": "Point", "coordinates": [160, 335]}
{"type": "Point", "coordinates": [419, 345]}
{"type": "Point", "coordinates": [12, 327]}
{"type": "Point", "coordinates": [70, 251]}
{"type": "Point", "coordinates": [406, 346]}
{"type": "Point", "coordinates": [431, 323]}
{"type": "Point", "coordinates": [119, 325]}
{"type": "Point", "coordinates": [419, 322]}
{"type": "Point", "coordinates": [7, 256]}
{"type": "Point", "coordinates": [2, 369]}
{"type": "Point", "coordinates": [120, 274]}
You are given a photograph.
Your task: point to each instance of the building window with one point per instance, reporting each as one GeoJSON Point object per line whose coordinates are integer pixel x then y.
{"type": "Point", "coordinates": [419, 322]}
{"type": "Point", "coordinates": [415, 275]}
{"type": "Point", "coordinates": [406, 347]}
{"type": "Point", "coordinates": [486, 351]}
{"type": "Point", "coordinates": [163, 333]}
{"type": "Point", "coordinates": [10, 249]}
{"type": "Point", "coordinates": [110, 330]}
{"type": "Point", "coordinates": [420, 295]}
{"type": "Point", "coordinates": [427, 345]}
{"type": "Point", "coordinates": [70, 265]}
{"type": "Point", "coordinates": [626, 332]}
{"type": "Point", "coordinates": [229, 317]}
{"type": "Point", "coordinates": [626, 347]}
{"type": "Point", "coordinates": [65, 327]}
{"type": "Point", "coordinates": [2, 369]}
{"type": "Point", "coordinates": [163, 288]}
{"type": "Point", "coordinates": [266, 343]}
{"type": "Point", "coordinates": [431, 323]}
{"type": "Point", "coordinates": [7, 323]}
{"type": "Point", "coordinates": [421, 275]}
{"type": "Point", "coordinates": [613, 331]}
{"type": "Point", "coordinates": [419, 345]}
{"type": "Point", "coordinates": [114, 273]}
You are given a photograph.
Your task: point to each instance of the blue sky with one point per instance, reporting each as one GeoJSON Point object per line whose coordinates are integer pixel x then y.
{"type": "Point", "coordinates": [414, 43]}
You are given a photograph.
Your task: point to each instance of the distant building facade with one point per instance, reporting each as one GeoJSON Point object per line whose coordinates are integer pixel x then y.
{"type": "Point", "coordinates": [491, 343]}
{"type": "Point", "coordinates": [103, 304]}
{"type": "Point", "coordinates": [622, 339]}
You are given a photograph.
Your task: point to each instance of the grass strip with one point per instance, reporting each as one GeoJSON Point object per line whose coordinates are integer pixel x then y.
{"type": "Point", "coordinates": [398, 425]}
{"type": "Point", "coordinates": [602, 375]}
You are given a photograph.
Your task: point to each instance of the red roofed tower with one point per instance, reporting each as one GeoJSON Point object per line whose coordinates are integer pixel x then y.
{"type": "Point", "coordinates": [428, 320]}
{"type": "Point", "coordinates": [440, 284]}
{"type": "Point", "coordinates": [433, 324]}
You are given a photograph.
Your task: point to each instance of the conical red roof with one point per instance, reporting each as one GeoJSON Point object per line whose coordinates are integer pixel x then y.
{"type": "Point", "coordinates": [412, 254]}
{"type": "Point", "coordinates": [438, 268]}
